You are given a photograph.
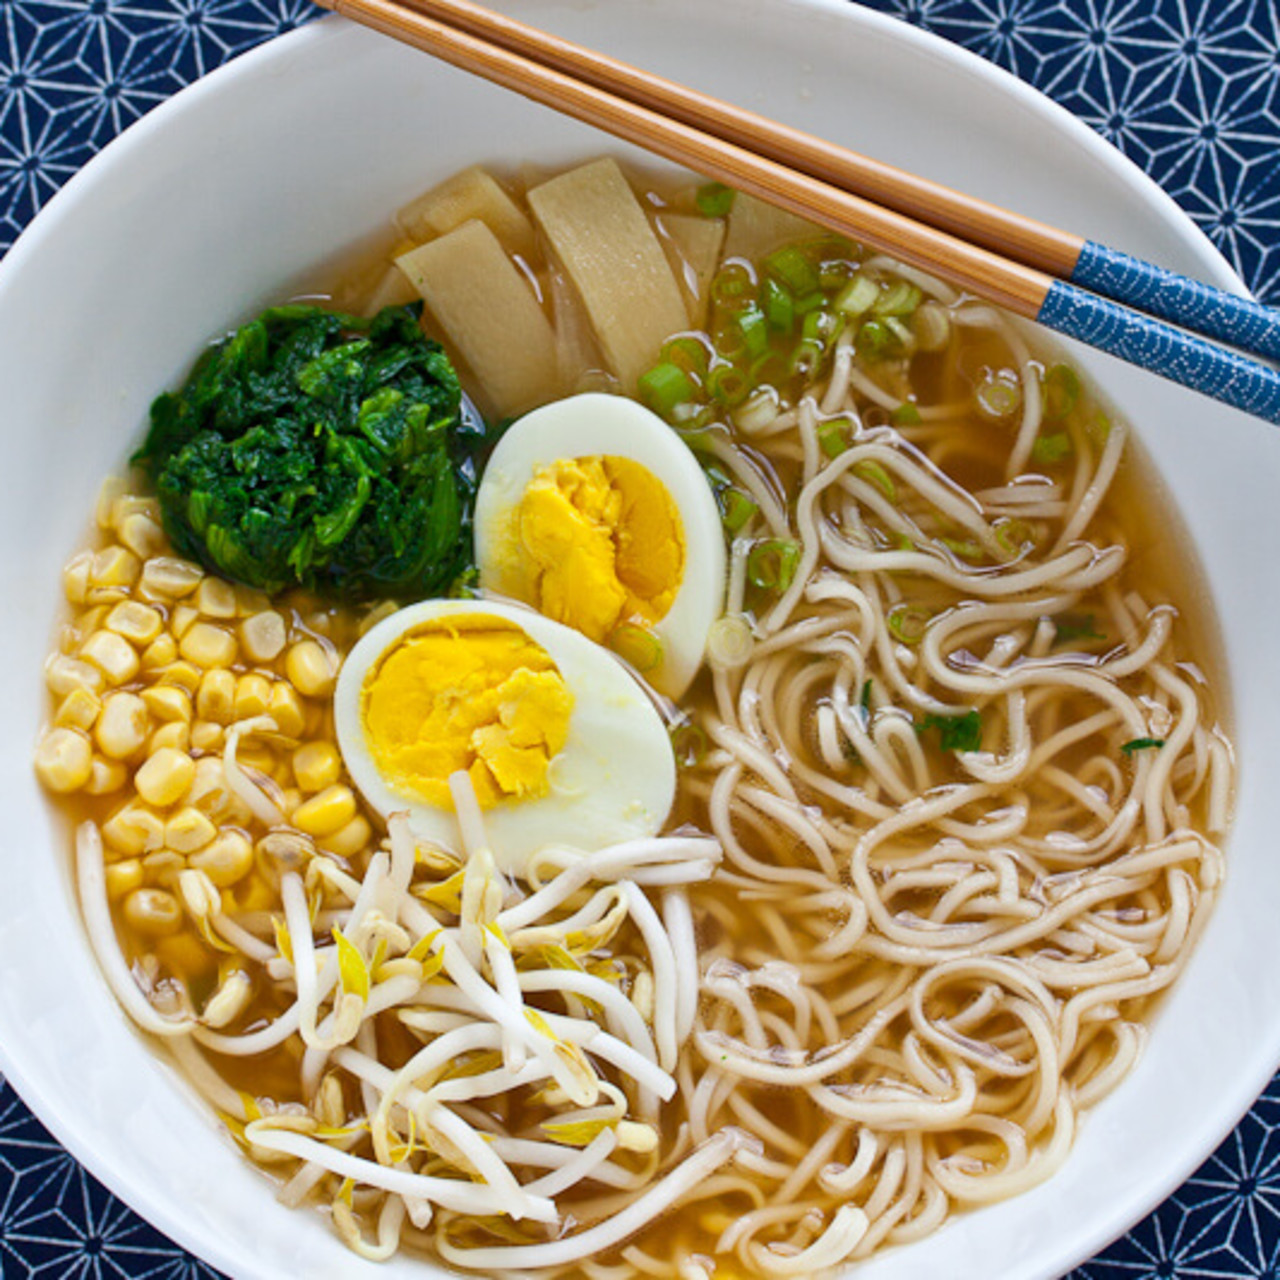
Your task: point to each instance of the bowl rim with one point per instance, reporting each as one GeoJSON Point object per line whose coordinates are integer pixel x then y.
{"type": "Point", "coordinates": [43, 1102]}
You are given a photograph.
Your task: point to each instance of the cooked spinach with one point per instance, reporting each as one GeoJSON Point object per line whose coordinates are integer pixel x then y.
{"type": "Point", "coordinates": [322, 450]}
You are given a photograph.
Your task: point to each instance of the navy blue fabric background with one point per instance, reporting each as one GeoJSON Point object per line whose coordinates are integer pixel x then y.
{"type": "Point", "coordinates": [1189, 89]}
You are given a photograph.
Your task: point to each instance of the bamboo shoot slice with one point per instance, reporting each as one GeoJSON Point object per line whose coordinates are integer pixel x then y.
{"type": "Point", "coordinates": [757, 228]}
{"type": "Point", "coordinates": [694, 245]}
{"type": "Point", "coordinates": [489, 314]}
{"type": "Point", "coordinates": [600, 233]}
{"type": "Point", "coordinates": [472, 194]}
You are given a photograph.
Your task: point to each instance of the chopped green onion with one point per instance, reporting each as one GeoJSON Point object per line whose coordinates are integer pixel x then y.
{"type": "Point", "coordinates": [688, 743]}
{"type": "Point", "coordinates": [1141, 744]}
{"type": "Point", "coordinates": [664, 387]}
{"type": "Point", "coordinates": [729, 641]}
{"type": "Point", "coordinates": [999, 396]}
{"type": "Point", "coordinates": [931, 324]}
{"type": "Point", "coordinates": [778, 304]}
{"type": "Point", "coordinates": [865, 700]}
{"type": "Point", "coordinates": [636, 645]}
{"type": "Point", "coordinates": [728, 385]}
{"type": "Point", "coordinates": [902, 543]}
{"type": "Point", "coordinates": [790, 265]}
{"type": "Point", "coordinates": [819, 326]}
{"type": "Point", "coordinates": [878, 339]}
{"type": "Point", "coordinates": [736, 508]}
{"type": "Point", "coordinates": [811, 302]}
{"type": "Point", "coordinates": [857, 296]}
{"type": "Point", "coordinates": [767, 370]}
{"type": "Point", "coordinates": [729, 341]}
{"type": "Point", "coordinates": [1061, 390]}
{"type": "Point", "coordinates": [1048, 451]}
{"type": "Point", "coordinates": [717, 477]}
{"type": "Point", "coordinates": [905, 415]}
{"type": "Point", "coordinates": [896, 299]}
{"type": "Point", "coordinates": [959, 733]}
{"type": "Point", "coordinates": [754, 328]}
{"type": "Point", "coordinates": [832, 439]}
{"type": "Point", "coordinates": [689, 353]}
{"type": "Point", "coordinates": [907, 622]}
{"type": "Point", "coordinates": [772, 564]}
{"type": "Point", "coordinates": [806, 359]}
{"type": "Point", "coordinates": [873, 473]}
{"type": "Point", "coordinates": [714, 199]}
{"type": "Point", "coordinates": [466, 586]}
{"type": "Point", "coordinates": [1076, 626]}
{"type": "Point", "coordinates": [731, 286]}
{"type": "Point", "coordinates": [901, 331]}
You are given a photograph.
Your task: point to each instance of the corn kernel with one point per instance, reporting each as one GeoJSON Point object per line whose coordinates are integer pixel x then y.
{"type": "Point", "coordinates": [311, 668]}
{"type": "Point", "coordinates": [138, 623]}
{"type": "Point", "coordinates": [208, 646]}
{"type": "Point", "coordinates": [114, 567]}
{"type": "Point", "coordinates": [123, 877]}
{"type": "Point", "coordinates": [182, 619]}
{"type": "Point", "coordinates": [263, 636]}
{"type": "Point", "coordinates": [132, 504]}
{"type": "Point", "coordinates": [143, 535]}
{"type": "Point", "coordinates": [153, 912]}
{"type": "Point", "coordinates": [255, 755]}
{"type": "Point", "coordinates": [160, 652]}
{"type": "Point", "coordinates": [349, 840]}
{"type": "Point", "coordinates": [226, 860]}
{"type": "Point", "coordinates": [216, 598]}
{"type": "Point", "coordinates": [163, 778]}
{"type": "Point", "coordinates": [133, 830]}
{"type": "Point", "coordinates": [163, 867]}
{"type": "Point", "coordinates": [107, 776]}
{"type": "Point", "coordinates": [290, 799]}
{"type": "Point", "coordinates": [168, 578]}
{"type": "Point", "coordinates": [167, 702]}
{"type": "Point", "coordinates": [184, 674]}
{"type": "Point", "coordinates": [188, 830]}
{"type": "Point", "coordinates": [174, 734]}
{"type": "Point", "coordinates": [316, 765]}
{"type": "Point", "coordinates": [113, 655]}
{"type": "Point", "coordinates": [326, 812]}
{"type": "Point", "coordinates": [64, 759]}
{"type": "Point", "coordinates": [78, 710]}
{"type": "Point", "coordinates": [110, 491]}
{"type": "Point", "coordinates": [123, 726]}
{"type": "Point", "coordinates": [253, 696]}
{"type": "Point", "coordinates": [63, 674]}
{"type": "Point", "coordinates": [206, 736]}
{"type": "Point", "coordinates": [249, 600]}
{"type": "Point", "coordinates": [211, 794]}
{"type": "Point", "coordinates": [75, 577]}
{"type": "Point", "coordinates": [216, 697]}
{"type": "Point", "coordinates": [286, 710]}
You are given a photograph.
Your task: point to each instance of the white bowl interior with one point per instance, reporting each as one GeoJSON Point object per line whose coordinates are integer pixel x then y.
{"type": "Point", "coordinates": [227, 197]}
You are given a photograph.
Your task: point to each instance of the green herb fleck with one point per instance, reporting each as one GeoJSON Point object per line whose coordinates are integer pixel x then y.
{"type": "Point", "coordinates": [1141, 744]}
{"type": "Point", "coordinates": [958, 733]}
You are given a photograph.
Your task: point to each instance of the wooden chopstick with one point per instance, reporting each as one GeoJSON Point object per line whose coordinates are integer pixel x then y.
{"type": "Point", "coordinates": [542, 69]}
{"type": "Point", "coordinates": [1241, 322]}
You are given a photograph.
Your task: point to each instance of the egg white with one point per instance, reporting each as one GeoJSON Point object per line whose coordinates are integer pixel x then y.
{"type": "Point", "coordinates": [595, 424]}
{"type": "Point", "coordinates": [614, 779]}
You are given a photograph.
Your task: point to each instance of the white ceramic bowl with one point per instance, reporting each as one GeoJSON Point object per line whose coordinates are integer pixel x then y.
{"type": "Point", "coordinates": [225, 199]}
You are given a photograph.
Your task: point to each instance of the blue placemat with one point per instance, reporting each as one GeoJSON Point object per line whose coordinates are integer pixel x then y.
{"type": "Point", "coordinates": [1189, 89]}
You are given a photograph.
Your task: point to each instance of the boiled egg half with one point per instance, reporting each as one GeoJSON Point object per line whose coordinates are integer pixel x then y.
{"type": "Point", "coordinates": [596, 513]}
{"type": "Point", "coordinates": [561, 743]}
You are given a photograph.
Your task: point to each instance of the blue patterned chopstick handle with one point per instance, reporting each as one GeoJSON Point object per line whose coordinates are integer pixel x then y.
{"type": "Point", "coordinates": [1241, 322]}
{"type": "Point", "coordinates": [1151, 344]}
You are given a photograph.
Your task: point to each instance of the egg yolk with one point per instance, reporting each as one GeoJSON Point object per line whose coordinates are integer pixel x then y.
{"type": "Point", "coordinates": [465, 692]}
{"type": "Point", "coordinates": [600, 543]}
